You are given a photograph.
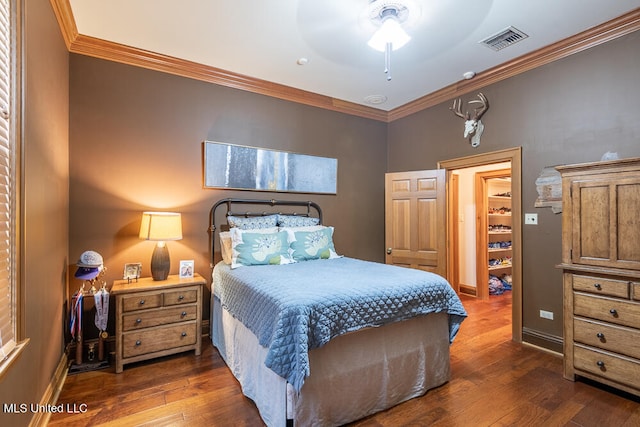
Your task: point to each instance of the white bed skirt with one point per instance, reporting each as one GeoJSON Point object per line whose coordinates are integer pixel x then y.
{"type": "Point", "coordinates": [354, 375]}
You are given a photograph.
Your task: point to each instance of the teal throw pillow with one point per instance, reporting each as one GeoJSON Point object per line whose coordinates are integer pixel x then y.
{"type": "Point", "coordinates": [310, 245]}
{"type": "Point", "coordinates": [259, 248]}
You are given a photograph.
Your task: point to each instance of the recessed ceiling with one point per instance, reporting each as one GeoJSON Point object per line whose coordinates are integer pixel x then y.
{"type": "Point", "coordinates": [321, 46]}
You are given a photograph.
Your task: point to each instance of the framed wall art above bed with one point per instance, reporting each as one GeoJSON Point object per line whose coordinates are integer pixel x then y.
{"type": "Point", "coordinates": [239, 167]}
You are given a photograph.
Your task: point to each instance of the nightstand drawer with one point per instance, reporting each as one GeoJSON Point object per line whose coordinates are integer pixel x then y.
{"type": "Point", "coordinates": [141, 301]}
{"type": "Point", "coordinates": [611, 310]}
{"type": "Point", "coordinates": [148, 319]}
{"type": "Point", "coordinates": [617, 368]}
{"type": "Point", "coordinates": [182, 296]}
{"type": "Point", "coordinates": [149, 341]}
{"type": "Point", "coordinates": [596, 285]}
{"type": "Point", "coordinates": [608, 337]}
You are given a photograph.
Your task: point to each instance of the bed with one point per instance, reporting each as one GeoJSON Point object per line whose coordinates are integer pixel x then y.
{"type": "Point", "coordinates": [317, 338]}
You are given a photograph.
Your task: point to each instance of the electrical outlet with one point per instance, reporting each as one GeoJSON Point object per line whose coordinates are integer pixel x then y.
{"type": "Point", "coordinates": [531, 219]}
{"type": "Point", "coordinates": [546, 314]}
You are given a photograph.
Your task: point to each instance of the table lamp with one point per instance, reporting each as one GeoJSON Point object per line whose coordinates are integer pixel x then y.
{"type": "Point", "coordinates": [160, 227]}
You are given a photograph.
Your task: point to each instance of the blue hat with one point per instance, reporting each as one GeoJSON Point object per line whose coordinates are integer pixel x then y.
{"type": "Point", "coordinates": [87, 273]}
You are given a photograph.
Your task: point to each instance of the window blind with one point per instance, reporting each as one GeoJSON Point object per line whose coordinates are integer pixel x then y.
{"type": "Point", "coordinates": [7, 188]}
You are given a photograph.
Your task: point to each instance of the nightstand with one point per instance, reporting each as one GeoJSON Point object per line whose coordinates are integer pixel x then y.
{"type": "Point", "coordinates": [157, 318]}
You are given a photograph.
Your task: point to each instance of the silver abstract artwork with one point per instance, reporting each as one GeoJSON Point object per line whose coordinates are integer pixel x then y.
{"type": "Point", "coordinates": [249, 168]}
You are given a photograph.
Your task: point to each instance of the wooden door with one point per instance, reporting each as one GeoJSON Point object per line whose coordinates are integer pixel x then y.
{"type": "Point", "coordinates": [415, 220]}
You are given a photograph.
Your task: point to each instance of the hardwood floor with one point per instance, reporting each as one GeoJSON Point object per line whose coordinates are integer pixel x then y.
{"type": "Point", "coordinates": [495, 382]}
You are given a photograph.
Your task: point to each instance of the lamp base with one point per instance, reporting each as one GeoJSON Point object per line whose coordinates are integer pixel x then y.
{"type": "Point", "coordinates": [160, 263]}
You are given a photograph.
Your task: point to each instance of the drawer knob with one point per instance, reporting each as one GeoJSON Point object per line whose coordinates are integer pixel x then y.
{"type": "Point", "coordinates": [141, 302]}
{"type": "Point", "coordinates": [184, 334]}
{"type": "Point", "coordinates": [598, 286]}
{"type": "Point", "coordinates": [184, 313]}
{"type": "Point", "coordinates": [600, 364]}
{"type": "Point", "coordinates": [138, 320]}
{"type": "Point", "coordinates": [181, 297]}
{"type": "Point", "coordinates": [614, 312]}
{"type": "Point", "coordinates": [600, 336]}
{"type": "Point", "coordinates": [138, 342]}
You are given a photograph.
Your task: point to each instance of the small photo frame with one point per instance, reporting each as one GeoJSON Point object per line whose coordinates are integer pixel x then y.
{"type": "Point", "coordinates": [132, 271]}
{"type": "Point", "coordinates": [186, 269]}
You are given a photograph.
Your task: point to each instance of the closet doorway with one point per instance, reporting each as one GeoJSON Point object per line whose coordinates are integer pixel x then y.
{"type": "Point", "coordinates": [455, 169]}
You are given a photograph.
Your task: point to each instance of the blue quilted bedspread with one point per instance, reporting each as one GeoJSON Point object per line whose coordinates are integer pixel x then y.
{"type": "Point", "coordinates": [297, 307]}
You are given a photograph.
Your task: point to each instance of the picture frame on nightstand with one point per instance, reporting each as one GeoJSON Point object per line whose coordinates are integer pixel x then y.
{"type": "Point", "coordinates": [186, 269]}
{"type": "Point", "coordinates": [132, 271]}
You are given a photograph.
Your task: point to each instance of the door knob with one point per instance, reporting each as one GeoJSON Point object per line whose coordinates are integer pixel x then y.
{"type": "Point", "coordinates": [389, 251]}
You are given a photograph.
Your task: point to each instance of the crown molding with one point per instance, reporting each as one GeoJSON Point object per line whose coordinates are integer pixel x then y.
{"type": "Point", "coordinates": [595, 36]}
{"type": "Point", "coordinates": [98, 48]}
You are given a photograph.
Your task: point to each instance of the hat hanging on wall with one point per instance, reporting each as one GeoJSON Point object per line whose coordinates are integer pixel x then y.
{"type": "Point", "coordinates": [89, 265]}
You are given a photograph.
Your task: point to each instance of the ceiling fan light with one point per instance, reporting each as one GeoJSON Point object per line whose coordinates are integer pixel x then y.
{"type": "Point", "coordinates": [390, 32]}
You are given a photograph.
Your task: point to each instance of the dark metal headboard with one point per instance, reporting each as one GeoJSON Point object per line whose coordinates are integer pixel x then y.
{"type": "Point", "coordinates": [231, 202]}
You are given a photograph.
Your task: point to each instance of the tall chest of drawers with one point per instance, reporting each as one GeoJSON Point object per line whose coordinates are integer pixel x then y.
{"type": "Point", "coordinates": [601, 272]}
{"type": "Point", "coordinates": [157, 318]}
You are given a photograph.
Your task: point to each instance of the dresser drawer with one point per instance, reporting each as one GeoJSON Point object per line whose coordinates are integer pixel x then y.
{"type": "Point", "coordinates": [596, 285]}
{"type": "Point", "coordinates": [611, 310]}
{"type": "Point", "coordinates": [635, 291]}
{"type": "Point", "coordinates": [181, 296]}
{"type": "Point", "coordinates": [617, 368]}
{"type": "Point", "coordinates": [146, 319]}
{"type": "Point", "coordinates": [148, 341]}
{"type": "Point", "coordinates": [141, 301]}
{"type": "Point", "coordinates": [608, 337]}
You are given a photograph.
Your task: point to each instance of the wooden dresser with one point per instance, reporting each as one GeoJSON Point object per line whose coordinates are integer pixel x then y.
{"type": "Point", "coordinates": [157, 318]}
{"type": "Point", "coordinates": [601, 272]}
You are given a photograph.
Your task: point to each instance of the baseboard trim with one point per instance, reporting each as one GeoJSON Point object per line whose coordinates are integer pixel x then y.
{"type": "Point", "coordinates": [468, 290]}
{"type": "Point", "coordinates": [50, 397]}
{"type": "Point", "coordinates": [543, 341]}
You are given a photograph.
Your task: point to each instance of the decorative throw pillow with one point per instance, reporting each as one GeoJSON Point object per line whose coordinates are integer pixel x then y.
{"type": "Point", "coordinates": [251, 248]}
{"type": "Point", "coordinates": [226, 245]}
{"type": "Point", "coordinates": [297, 221]}
{"type": "Point", "coordinates": [308, 245]}
{"type": "Point", "coordinates": [252, 222]}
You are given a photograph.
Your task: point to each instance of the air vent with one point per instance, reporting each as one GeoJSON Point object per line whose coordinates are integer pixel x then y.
{"type": "Point", "coordinates": [504, 38]}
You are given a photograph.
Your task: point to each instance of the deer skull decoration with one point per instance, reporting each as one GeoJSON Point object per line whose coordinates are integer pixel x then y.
{"type": "Point", "coordinates": [473, 127]}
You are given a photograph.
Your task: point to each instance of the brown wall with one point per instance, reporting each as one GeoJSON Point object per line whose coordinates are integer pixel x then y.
{"type": "Point", "coordinates": [45, 201]}
{"type": "Point", "coordinates": [136, 144]}
{"type": "Point", "coordinates": [570, 111]}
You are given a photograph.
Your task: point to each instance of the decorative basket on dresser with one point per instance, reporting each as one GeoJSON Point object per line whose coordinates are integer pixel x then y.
{"type": "Point", "coordinates": [601, 272]}
{"type": "Point", "coordinates": [157, 318]}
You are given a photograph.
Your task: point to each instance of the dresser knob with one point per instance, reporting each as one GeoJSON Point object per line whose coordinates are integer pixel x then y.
{"type": "Point", "coordinates": [181, 297]}
{"type": "Point", "coordinates": [184, 334]}
{"type": "Point", "coordinates": [614, 312]}
{"type": "Point", "coordinates": [600, 364]}
{"type": "Point", "coordinates": [600, 335]}
{"type": "Point", "coordinates": [141, 302]}
{"type": "Point", "coordinates": [598, 286]}
{"type": "Point", "coordinates": [138, 342]}
{"type": "Point", "coordinates": [138, 320]}
{"type": "Point", "coordinates": [184, 313]}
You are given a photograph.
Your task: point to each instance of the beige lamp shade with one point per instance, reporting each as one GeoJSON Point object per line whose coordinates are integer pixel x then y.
{"type": "Point", "coordinates": [161, 226]}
